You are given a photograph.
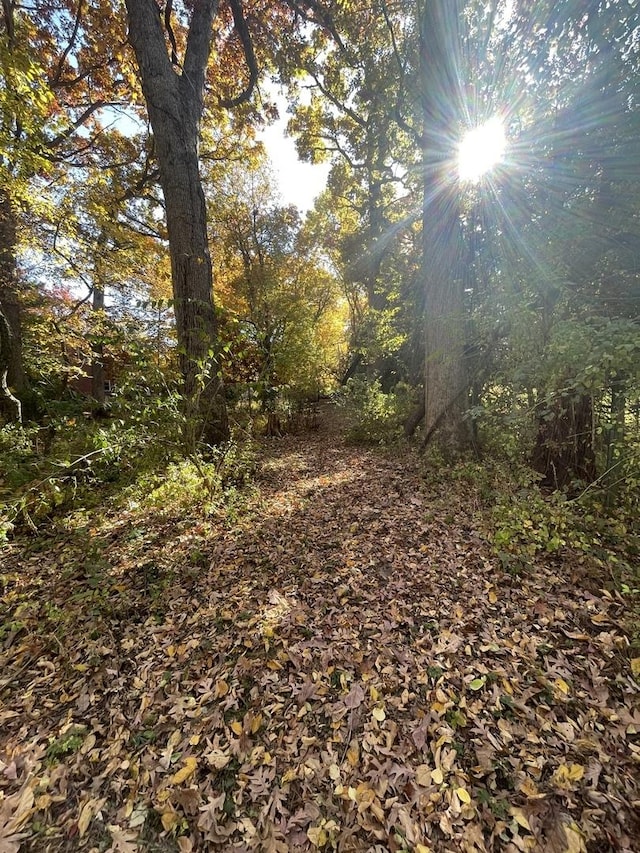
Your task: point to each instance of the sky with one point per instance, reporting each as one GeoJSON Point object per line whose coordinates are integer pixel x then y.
{"type": "Point", "coordinates": [299, 182]}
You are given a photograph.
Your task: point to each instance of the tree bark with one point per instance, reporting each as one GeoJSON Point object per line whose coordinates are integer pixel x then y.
{"type": "Point", "coordinates": [175, 104]}
{"type": "Point", "coordinates": [446, 384]}
{"type": "Point", "coordinates": [97, 348]}
{"type": "Point", "coordinates": [563, 451]}
{"type": "Point", "coordinates": [10, 406]}
{"type": "Point", "coordinates": [11, 359]}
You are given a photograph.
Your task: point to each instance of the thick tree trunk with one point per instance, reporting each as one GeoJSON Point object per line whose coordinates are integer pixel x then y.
{"type": "Point", "coordinates": [563, 452]}
{"type": "Point", "coordinates": [175, 103]}
{"type": "Point", "coordinates": [10, 406]}
{"type": "Point", "coordinates": [10, 299]}
{"type": "Point", "coordinates": [446, 384]}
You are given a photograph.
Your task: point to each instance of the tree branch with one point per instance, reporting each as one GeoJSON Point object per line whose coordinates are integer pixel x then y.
{"type": "Point", "coordinates": [72, 40]}
{"type": "Point", "coordinates": [244, 33]}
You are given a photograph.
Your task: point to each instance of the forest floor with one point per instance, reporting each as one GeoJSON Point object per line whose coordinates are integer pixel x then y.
{"type": "Point", "coordinates": [339, 664]}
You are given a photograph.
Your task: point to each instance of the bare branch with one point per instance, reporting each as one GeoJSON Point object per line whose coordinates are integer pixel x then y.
{"type": "Point", "coordinates": [72, 40]}
{"type": "Point", "coordinates": [244, 33]}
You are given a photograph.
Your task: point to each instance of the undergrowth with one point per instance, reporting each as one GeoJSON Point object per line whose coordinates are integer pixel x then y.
{"type": "Point", "coordinates": [375, 417]}
{"type": "Point", "coordinates": [524, 523]}
{"type": "Point", "coordinates": [131, 456]}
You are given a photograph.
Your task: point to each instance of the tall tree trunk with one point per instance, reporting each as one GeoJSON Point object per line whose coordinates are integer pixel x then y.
{"type": "Point", "coordinates": [10, 406]}
{"type": "Point", "coordinates": [12, 361]}
{"type": "Point", "coordinates": [175, 104]}
{"type": "Point", "coordinates": [446, 384]}
{"type": "Point", "coordinates": [97, 348]}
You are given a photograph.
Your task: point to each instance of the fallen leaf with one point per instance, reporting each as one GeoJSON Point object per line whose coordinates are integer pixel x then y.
{"type": "Point", "coordinates": [86, 813]}
{"type": "Point", "coordinates": [437, 776]}
{"type": "Point", "coordinates": [187, 770]}
{"type": "Point", "coordinates": [566, 774]}
{"type": "Point", "coordinates": [520, 818]}
{"type": "Point", "coordinates": [317, 836]}
{"type": "Point", "coordinates": [170, 819]}
{"type": "Point", "coordinates": [423, 775]}
{"type": "Point", "coordinates": [355, 697]}
{"type": "Point", "coordinates": [574, 839]}
{"type": "Point", "coordinates": [353, 753]}
{"type": "Point", "coordinates": [217, 759]}
{"type": "Point", "coordinates": [463, 795]}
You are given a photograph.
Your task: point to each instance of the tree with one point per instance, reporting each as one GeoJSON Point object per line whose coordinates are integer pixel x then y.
{"type": "Point", "coordinates": [62, 65]}
{"type": "Point", "coordinates": [347, 113]}
{"type": "Point", "coordinates": [446, 385]}
{"type": "Point", "coordinates": [276, 286]}
{"type": "Point", "coordinates": [175, 103]}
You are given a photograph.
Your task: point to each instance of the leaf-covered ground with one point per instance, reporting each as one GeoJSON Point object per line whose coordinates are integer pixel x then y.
{"type": "Point", "coordinates": [344, 666]}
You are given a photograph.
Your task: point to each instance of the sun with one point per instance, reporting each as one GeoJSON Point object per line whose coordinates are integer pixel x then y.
{"type": "Point", "coordinates": [481, 149]}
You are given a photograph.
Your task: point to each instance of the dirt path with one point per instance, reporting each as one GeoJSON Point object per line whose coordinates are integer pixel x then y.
{"type": "Point", "coordinates": [342, 667]}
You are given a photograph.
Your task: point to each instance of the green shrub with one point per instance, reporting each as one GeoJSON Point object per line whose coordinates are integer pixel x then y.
{"type": "Point", "coordinates": [375, 417]}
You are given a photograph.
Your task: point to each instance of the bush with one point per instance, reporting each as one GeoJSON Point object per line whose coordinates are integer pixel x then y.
{"type": "Point", "coordinates": [375, 417]}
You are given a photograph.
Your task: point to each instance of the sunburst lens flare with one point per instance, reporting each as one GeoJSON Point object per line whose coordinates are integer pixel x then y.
{"type": "Point", "coordinates": [481, 149]}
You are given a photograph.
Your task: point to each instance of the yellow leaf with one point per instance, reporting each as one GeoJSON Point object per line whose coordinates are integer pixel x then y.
{"type": "Point", "coordinates": [195, 740]}
{"type": "Point", "coordinates": [236, 727]}
{"type": "Point", "coordinates": [635, 666]}
{"type": "Point", "coordinates": [85, 818]}
{"type": "Point", "coordinates": [188, 769]}
{"type": "Point", "coordinates": [334, 772]}
{"type": "Point", "coordinates": [378, 713]}
{"type": "Point", "coordinates": [568, 773]}
{"type": "Point", "coordinates": [492, 596]}
{"type": "Point", "coordinates": [171, 651]}
{"type": "Point", "coordinates": [422, 848]}
{"type": "Point", "coordinates": [288, 776]}
{"type": "Point", "coordinates": [375, 695]}
{"type": "Point", "coordinates": [529, 789]}
{"type": "Point", "coordinates": [574, 839]}
{"type": "Point", "coordinates": [317, 836]}
{"type": "Point", "coordinates": [437, 776]}
{"type": "Point", "coordinates": [364, 796]}
{"type": "Point", "coordinates": [463, 795]}
{"type": "Point", "coordinates": [170, 820]}
{"type": "Point", "coordinates": [423, 774]}
{"type": "Point", "coordinates": [561, 685]}
{"type": "Point", "coordinates": [520, 818]}
{"type": "Point", "coordinates": [353, 753]}
{"type": "Point", "coordinates": [221, 689]}
{"type": "Point", "coordinates": [256, 723]}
